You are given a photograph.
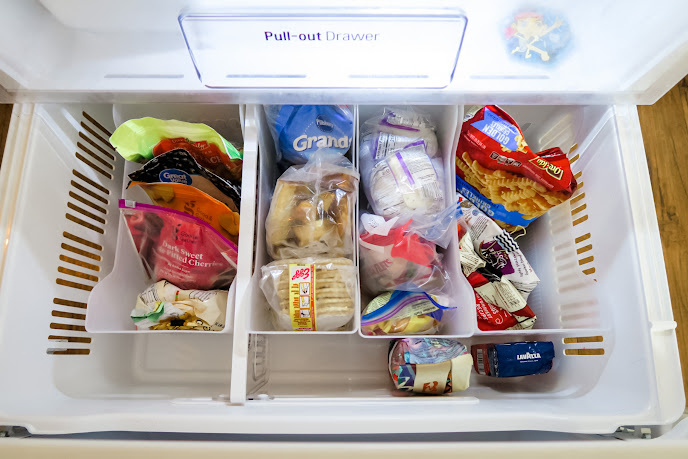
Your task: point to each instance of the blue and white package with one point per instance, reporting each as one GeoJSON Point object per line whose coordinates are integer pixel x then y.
{"type": "Point", "coordinates": [301, 130]}
{"type": "Point", "coordinates": [513, 359]}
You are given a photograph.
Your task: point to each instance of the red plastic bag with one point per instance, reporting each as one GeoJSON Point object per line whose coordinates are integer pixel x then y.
{"type": "Point", "coordinates": [180, 248]}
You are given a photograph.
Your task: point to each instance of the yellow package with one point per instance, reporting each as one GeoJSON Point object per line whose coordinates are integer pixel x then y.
{"type": "Point", "coordinates": [192, 201]}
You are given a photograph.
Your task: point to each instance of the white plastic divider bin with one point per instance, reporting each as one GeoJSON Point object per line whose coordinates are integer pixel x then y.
{"type": "Point", "coordinates": [261, 314]}
{"type": "Point", "coordinates": [111, 300]}
{"type": "Point", "coordinates": [460, 322]}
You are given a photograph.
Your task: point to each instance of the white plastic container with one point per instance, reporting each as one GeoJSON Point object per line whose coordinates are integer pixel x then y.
{"type": "Point", "coordinates": [111, 301]}
{"type": "Point", "coordinates": [603, 298]}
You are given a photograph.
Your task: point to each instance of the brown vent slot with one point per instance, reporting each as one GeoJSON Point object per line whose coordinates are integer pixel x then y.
{"type": "Point", "coordinates": [84, 224]}
{"type": "Point", "coordinates": [75, 285]}
{"type": "Point", "coordinates": [577, 175]}
{"type": "Point", "coordinates": [584, 339]}
{"type": "Point", "coordinates": [579, 209]}
{"type": "Point", "coordinates": [580, 220]}
{"type": "Point", "coordinates": [81, 252]}
{"type": "Point", "coordinates": [69, 315]}
{"type": "Point", "coordinates": [80, 263]}
{"type": "Point", "coordinates": [573, 148]}
{"type": "Point", "coordinates": [99, 137]}
{"type": "Point", "coordinates": [95, 156]}
{"type": "Point", "coordinates": [582, 238]}
{"type": "Point", "coordinates": [577, 198]}
{"type": "Point", "coordinates": [57, 326]}
{"type": "Point", "coordinates": [589, 271]}
{"type": "Point", "coordinates": [95, 185]}
{"type": "Point", "coordinates": [574, 159]}
{"type": "Point", "coordinates": [95, 145]}
{"type": "Point", "coordinates": [78, 274]}
{"type": "Point", "coordinates": [74, 304]}
{"type": "Point", "coordinates": [86, 202]}
{"type": "Point", "coordinates": [584, 249]}
{"type": "Point", "coordinates": [85, 190]}
{"type": "Point", "coordinates": [93, 166]}
{"type": "Point", "coordinates": [69, 352]}
{"type": "Point", "coordinates": [96, 124]}
{"type": "Point", "coordinates": [83, 241]}
{"type": "Point", "coordinates": [86, 213]}
{"type": "Point", "coordinates": [584, 351]}
{"type": "Point", "coordinates": [585, 260]}
{"type": "Point", "coordinates": [70, 339]}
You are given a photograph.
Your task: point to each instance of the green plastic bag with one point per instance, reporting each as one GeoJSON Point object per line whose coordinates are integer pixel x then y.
{"type": "Point", "coordinates": [137, 139]}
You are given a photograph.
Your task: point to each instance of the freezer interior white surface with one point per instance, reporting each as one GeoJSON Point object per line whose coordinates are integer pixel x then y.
{"type": "Point", "coordinates": [58, 378]}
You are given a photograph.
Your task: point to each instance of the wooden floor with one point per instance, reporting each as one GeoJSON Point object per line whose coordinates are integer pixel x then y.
{"type": "Point", "coordinates": [665, 131]}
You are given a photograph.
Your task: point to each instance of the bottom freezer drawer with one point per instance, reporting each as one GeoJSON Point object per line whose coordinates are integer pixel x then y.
{"type": "Point", "coordinates": [602, 300]}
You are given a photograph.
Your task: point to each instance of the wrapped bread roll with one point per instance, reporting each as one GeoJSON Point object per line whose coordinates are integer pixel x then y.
{"type": "Point", "coordinates": [312, 207]}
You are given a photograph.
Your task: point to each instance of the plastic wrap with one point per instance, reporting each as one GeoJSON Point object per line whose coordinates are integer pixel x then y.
{"type": "Point", "coordinates": [164, 306]}
{"type": "Point", "coordinates": [310, 294]}
{"type": "Point", "coordinates": [430, 365]}
{"type": "Point", "coordinates": [312, 209]}
{"type": "Point", "coordinates": [395, 257]}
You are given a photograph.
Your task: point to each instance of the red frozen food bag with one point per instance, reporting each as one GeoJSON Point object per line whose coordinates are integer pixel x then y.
{"type": "Point", "coordinates": [180, 248]}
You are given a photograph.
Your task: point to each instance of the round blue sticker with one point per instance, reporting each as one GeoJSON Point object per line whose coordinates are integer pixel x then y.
{"type": "Point", "coordinates": [175, 176]}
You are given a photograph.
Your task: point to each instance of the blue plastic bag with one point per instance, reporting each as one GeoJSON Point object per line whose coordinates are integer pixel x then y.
{"type": "Point", "coordinates": [301, 130]}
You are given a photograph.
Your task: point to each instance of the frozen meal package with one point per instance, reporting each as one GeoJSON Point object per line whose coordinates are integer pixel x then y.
{"type": "Point", "coordinates": [180, 248]}
{"type": "Point", "coordinates": [301, 130]}
{"type": "Point", "coordinates": [164, 306]}
{"type": "Point", "coordinates": [406, 183]}
{"type": "Point", "coordinates": [395, 129]}
{"type": "Point", "coordinates": [404, 313]}
{"type": "Point", "coordinates": [178, 166]}
{"type": "Point", "coordinates": [395, 257]}
{"type": "Point", "coordinates": [310, 294]}
{"type": "Point", "coordinates": [498, 171]}
{"type": "Point", "coordinates": [141, 139]}
{"type": "Point", "coordinates": [433, 366]}
{"type": "Point", "coordinates": [495, 247]}
{"type": "Point", "coordinates": [510, 360]}
{"type": "Point", "coordinates": [500, 292]}
{"type": "Point", "coordinates": [193, 201]}
{"type": "Point", "coordinates": [312, 209]}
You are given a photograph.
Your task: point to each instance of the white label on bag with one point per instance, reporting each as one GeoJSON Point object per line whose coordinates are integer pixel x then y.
{"type": "Point", "coordinates": [336, 50]}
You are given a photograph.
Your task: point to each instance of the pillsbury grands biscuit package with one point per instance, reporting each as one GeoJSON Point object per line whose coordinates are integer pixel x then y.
{"type": "Point", "coordinates": [301, 130]}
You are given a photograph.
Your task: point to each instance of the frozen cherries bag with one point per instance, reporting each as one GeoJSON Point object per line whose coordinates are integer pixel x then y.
{"type": "Point", "coordinates": [179, 248]}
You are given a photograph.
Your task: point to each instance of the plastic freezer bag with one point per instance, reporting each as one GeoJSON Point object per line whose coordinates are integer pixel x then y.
{"type": "Point", "coordinates": [312, 209]}
{"type": "Point", "coordinates": [406, 183]}
{"type": "Point", "coordinates": [394, 256]}
{"type": "Point", "coordinates": [403, 313]}
{"type": "Point", "coordinates": [310, 294]}
{"type": "Point", "coordinates": [179, 248]}
{"type": "Point", "coordinates": [141, 139]}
